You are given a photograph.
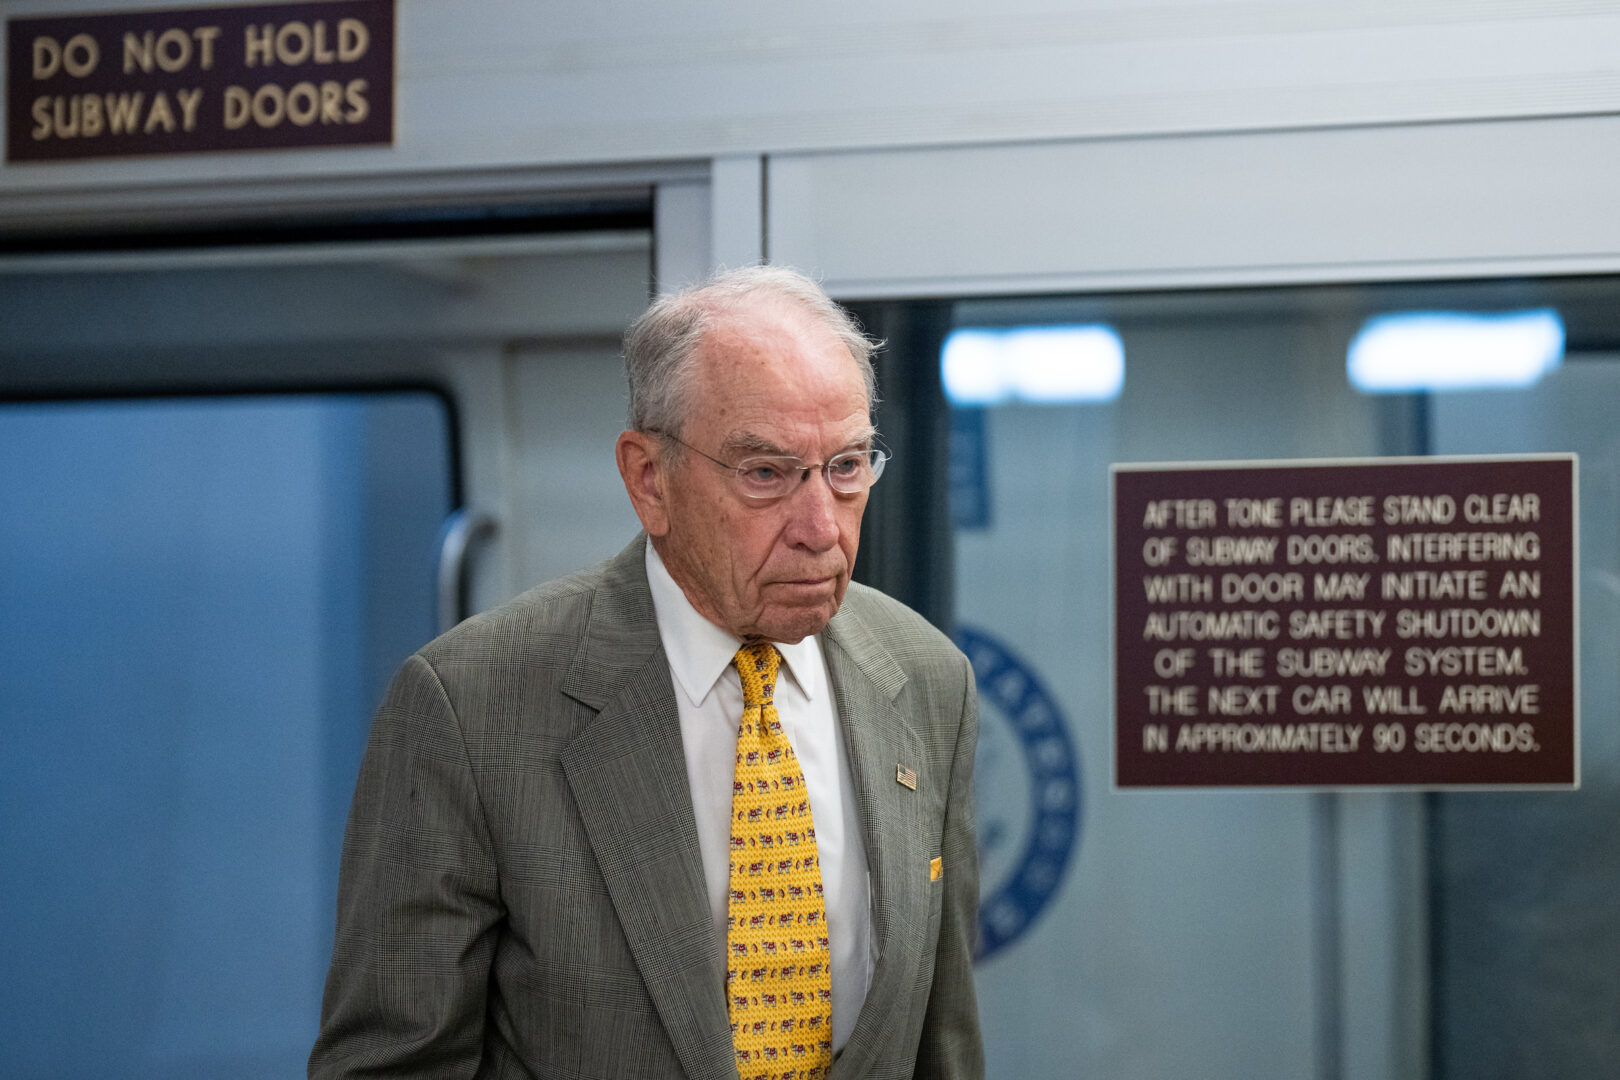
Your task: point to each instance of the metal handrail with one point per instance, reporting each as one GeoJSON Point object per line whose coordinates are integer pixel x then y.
{"type": "Point", "coordinates": [463, 528]}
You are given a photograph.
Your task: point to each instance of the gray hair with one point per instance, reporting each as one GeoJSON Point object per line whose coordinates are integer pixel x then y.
{"type": "Point", "coordinates": [660, 345]}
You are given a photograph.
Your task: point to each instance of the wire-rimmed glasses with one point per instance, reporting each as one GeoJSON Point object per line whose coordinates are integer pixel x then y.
{"type": "Point", "coordinates": [762, 478]}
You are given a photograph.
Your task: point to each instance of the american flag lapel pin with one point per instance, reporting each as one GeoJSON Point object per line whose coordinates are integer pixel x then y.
{"type": "Point", "coordinates": [905, 777]}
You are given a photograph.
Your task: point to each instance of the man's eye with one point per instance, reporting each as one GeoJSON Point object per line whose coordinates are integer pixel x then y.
{"type": "Point", "coordinates": [762, 473]}
{"type": "Point", "coordinates": [846, 465]}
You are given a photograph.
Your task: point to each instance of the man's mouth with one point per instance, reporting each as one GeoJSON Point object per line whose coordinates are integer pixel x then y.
{"type": "Point", "coordinates": [817, 582]}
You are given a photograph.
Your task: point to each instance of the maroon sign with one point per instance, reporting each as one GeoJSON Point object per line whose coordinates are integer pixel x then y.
{"type": "Point", "coordinates": [1400, 623]}
{"type": "Point", "coordinates": [200, 79]}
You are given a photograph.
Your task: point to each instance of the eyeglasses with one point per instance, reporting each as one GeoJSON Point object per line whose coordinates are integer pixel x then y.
{"type": "Point", "coordinates": [764, 479]}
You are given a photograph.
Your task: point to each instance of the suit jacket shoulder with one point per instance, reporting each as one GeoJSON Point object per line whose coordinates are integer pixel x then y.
{"type": "Point", "coordinates": [896, 624]}
{"type": "Point", "coordinates": [578, 636]}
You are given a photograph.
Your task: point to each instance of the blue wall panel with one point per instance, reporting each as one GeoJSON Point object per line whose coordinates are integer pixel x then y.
{"type": "Point", "coordinates": [200, 601]}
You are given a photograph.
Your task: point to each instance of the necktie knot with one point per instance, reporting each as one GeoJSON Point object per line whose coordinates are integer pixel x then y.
{"type": "Point", "coordinates": [757, 665]}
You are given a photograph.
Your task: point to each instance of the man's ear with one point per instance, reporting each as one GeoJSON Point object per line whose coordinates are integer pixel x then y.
{"type": "Point", "coordinates": [642, 469]}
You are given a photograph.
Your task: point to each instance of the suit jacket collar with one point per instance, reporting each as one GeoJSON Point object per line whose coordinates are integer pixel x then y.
{"type": "Point", "coordinates": [625, 771]}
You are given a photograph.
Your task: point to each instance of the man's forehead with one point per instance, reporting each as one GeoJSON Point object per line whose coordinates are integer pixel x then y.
{"type": "Point", "coordinates": [856, 436]}
{"type": "Point", "coordinates": [786, 345]}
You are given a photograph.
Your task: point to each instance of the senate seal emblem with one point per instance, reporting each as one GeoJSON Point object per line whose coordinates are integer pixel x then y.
{"type": "Point", "coordinates": [1028, 792]}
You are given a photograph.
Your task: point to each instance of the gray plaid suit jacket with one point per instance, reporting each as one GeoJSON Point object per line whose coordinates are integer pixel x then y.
{"type": "Point", "coordinates": [521, 891]}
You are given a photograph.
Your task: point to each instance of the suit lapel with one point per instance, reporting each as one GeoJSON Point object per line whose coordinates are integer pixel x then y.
{"type": "Point", "coordinates": [866, 682]}
{"type": "Point", "coordinates": [628, 777]}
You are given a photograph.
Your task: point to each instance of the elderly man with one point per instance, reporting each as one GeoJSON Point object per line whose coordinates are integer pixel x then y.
{"type": "Point", "coordinates": [703, 811]}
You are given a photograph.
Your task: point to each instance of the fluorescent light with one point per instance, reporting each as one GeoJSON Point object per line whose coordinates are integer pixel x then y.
{"type": "Point", "coordinates": [1437, 350]}
{"type": "Point", "coordinates": [1045, 364]}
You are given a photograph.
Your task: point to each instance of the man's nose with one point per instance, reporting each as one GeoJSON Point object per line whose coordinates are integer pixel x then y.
{"type": "Point", "coordinates": [813, 506]}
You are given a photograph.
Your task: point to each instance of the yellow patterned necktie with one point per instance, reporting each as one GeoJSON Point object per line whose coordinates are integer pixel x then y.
{"type": "Point", "coordinates": [778, 971]}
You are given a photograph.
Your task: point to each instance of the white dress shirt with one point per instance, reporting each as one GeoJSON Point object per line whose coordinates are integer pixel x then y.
{"type": "Point", "coordinates": [708, 695]}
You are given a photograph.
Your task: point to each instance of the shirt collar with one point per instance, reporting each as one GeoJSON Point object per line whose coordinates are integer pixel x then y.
{"type": "Point", "coordinates": [699, 652]}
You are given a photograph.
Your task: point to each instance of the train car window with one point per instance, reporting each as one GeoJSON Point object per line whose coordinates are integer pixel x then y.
{"type": "Point", "coordinates": [1227, 934]}
{"type": "Point", "coordinates": [203, 598]}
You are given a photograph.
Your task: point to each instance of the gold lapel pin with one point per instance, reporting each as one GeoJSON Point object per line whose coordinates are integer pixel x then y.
{"type": "Point", "coordinates": [905, 777]}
